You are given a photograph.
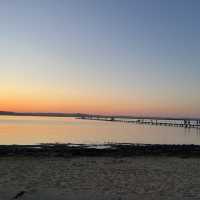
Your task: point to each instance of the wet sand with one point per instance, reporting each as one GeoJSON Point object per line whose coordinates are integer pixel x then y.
{"type": "Point", "coordinates": [98, 178]}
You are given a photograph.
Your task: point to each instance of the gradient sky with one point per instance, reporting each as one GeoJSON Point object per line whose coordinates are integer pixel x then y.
{"type": "Point", "coordinates": [100, 56]}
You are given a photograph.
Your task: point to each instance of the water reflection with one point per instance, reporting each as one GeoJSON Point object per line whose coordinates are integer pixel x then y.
{"type": "Point", "coordinates": [32, 130]}
{"type": "Point", "coordinates": [192, 131]}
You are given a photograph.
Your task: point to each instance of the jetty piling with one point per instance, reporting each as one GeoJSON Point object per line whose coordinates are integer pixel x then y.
{"type": "Point", "coordinates": [173, 122]}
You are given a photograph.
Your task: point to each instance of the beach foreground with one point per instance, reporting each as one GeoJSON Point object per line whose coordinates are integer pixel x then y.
{"type": "Point", "coordinates": [85, 178]}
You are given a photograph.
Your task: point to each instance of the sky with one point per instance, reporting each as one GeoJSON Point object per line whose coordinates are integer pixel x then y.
{"type": "Point", "coordinates": [129, 57]}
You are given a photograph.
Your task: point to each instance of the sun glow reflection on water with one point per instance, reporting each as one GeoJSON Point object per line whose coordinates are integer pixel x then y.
{"type": "Point", "coordinates": [34, 130]}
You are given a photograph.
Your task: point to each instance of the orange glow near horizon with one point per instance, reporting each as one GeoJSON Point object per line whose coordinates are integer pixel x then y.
{"type": "Point", "coordinates": [25, 99]}
{"type": "Point", "coordinates": [92, 106]}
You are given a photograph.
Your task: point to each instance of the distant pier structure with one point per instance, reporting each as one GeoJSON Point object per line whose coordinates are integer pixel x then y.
{"type": "Point", "coordinates": [157, 121]}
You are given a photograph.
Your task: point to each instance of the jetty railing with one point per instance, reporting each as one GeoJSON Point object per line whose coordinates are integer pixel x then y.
{"type": "Point", "coordinates": [174, 122]}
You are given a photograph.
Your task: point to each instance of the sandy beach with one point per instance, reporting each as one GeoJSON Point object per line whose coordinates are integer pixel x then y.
{"type": "Point", "coordinates": [85, 178]}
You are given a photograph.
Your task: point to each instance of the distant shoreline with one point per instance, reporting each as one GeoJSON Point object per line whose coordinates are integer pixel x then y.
{"type": "Point", "coordinates": [82, 115]}
{"type": "Point", "coordinates": [105, 150]}
{"type": "Point", "coordinates": [5, 113]}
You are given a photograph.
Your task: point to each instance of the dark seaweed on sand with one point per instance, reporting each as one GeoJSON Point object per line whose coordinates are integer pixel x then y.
{"type": "Point", "coordinates": [113, 150]}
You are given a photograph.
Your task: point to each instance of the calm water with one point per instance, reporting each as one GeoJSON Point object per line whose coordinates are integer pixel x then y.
{"type": "Point", "coordinates": [34, 130]}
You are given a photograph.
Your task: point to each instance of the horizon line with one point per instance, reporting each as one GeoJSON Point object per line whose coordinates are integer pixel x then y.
{"type": "Point", "coordinates": [78, 114]}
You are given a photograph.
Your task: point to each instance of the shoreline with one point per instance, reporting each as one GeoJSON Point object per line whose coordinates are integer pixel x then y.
{"type": "Point", "coordinates": [106, 171]}
{"type": "Point", "coordinates": [100, 150]}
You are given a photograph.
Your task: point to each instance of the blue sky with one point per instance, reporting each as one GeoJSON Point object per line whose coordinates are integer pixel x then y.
{"type": "Point", "coordinates": [108, 56]}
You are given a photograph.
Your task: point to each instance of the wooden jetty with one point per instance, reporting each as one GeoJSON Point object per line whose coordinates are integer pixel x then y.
{"type": "Point", "coordinates": [157, 121]}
